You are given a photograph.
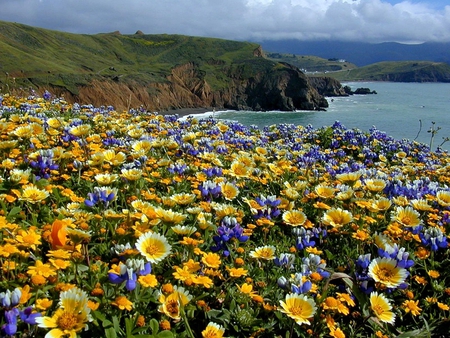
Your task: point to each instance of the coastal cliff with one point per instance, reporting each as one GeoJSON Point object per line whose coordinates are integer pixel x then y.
{"type": "Point", "coordinates": [282, 88]}
{"type": "Point", "coordinates": [158, 72]}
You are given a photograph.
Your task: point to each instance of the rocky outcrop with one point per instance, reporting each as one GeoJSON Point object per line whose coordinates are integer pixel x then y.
{"type": "Point", "coordinates": [327, 86]}
{"type": "Point", "coordinates": [282, 88]}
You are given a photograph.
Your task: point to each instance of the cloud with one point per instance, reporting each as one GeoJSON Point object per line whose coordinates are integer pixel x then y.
{"type": "Point", "coordinates": [354, 20]}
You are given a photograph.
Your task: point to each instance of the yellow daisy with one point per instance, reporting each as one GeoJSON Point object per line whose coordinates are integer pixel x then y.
{"type": "Point", "coordinates": [375, 185]}
{"type": "Point", "coordinates": [411, 306]}
{"type": "Point", "coordinates": [80, 130]}
{"type": "Point", "coordinates": [229, 191]}
{"type": "Point", "coordinates": [33, 195]}
{"type": "Point", "coordinates": [123, 303]}
{"type": "Point", "coordinates": [213, 330]}
{"type": "Point", "coordinates": [382, 308]}
{"type": "Point", "coordinates": [443, 198]}
{"type": "Point", "coordinates": [385, 271]}
{"type": "Point", "coordinates": [266, 252]}
{"type": "Point", "coordinates": [211, 260]}
{"type": "Point", "coordinates": [337, 217]}
{"type": "Point", "coordinates": [170, 305]}
{"type": "Point", "coordinates": [153, 246]}
{"type": "Point", "coordinates": [71, 317]}
{"type": "Point", "coordinates": [406, 216]}
{"type": "Point", "coordinates": [294, 217]}
{"type": "Point", "coordinates": [298, 307]}
{"type": "Point", "coordinates": [183, 198]}
{"type": "Point", "coordinates": [131, 174]}
{"type": "Point", "coordinates": [324, 191]}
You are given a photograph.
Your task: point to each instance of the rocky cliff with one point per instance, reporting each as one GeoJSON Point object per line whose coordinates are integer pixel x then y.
{"type": "Point", "coordinates": [327, 86]}
{"type": "Point", "coordinates": [282, 88]}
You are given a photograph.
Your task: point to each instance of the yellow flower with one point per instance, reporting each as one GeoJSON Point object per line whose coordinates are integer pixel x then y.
{"type": "Point", "coordinates": [406, 216]}
{"type": "Point", "coordinates": [385, 271]}
{"type": "Point", "coordinates": [43, 304]}
{"type": "Point", "coordinates": [443, 198]}
{"type": "Point", "coordinates": [153, 246]}
{"type": "Point", "coordinates": [337, 217]}
{"type": "Point", "coordinates": [33, 195]}
{"type": "Point", "coordinates": [381, 204]}
{"type": "Point", "coordinates": [8, 250]}
{"type": "Point", "coordinates": [28, 238]}
{"type": "Point", "coordinates": [41, 269]}
{"type": "Point", "coordinates": [433, 274]}
{"type": "Point", "coordinates": [183, 230]}
{"type": "Point", "coordinates": [71, 317]}
{"type": "Point", "coordinates": [237, 272]}
{"type": "Point", "coordinates": [183, 274]}
{"type": "Point", "coordinates": [213, 330]}
{"type": "Point", "coordinates": [122, 303]}
{"type": "Point", "coordinates": [81, 130]}
{"type": "Point", "coordinates": [349, 177]}
{"type": "Point", "coordinates": [382, 308]}
{"type": "Point", "coordinates": [324, 191]}
{"type": "Point", "coordinates": [375, 185]}
{"type": "Point", "coordinates": [183, 198]}
{"type": "Point", "coordinates": [131, 174]}
{"type": "Point", "coordinates": [170, 216]}
{"type": "Point", "coordinates": [106, 179]}
{"type": "Point", "coordinates": [298, 307]}
{"type": "Point", "coordinates": [114, 159]}
{"type": "Point", "coordinates": [170, 305]}
{"type": "Point", "coordinates": [421, 205]}
{"type": "Point", "coordinates": [229, 191]}
{"type": "Point", "coordinates": [294, 217]}
{"type": "Point", "coordinates": [264, 252]}
{"type": "Point", "coordinates": [239, 169]}
{"type": "Point", "coordinates": [211, 260]}
{"type": "Point", "coordinates": [412, 307]}
{"type": "Point", "coordinates": [443, 306]}
{"type": "Point", "coordinates": [247, 289]}
{"type": "Point", "coordinates": [203, 280]}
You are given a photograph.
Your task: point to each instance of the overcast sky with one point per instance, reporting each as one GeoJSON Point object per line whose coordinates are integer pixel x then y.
{"type": "Point", "coordinates": [254, 20]}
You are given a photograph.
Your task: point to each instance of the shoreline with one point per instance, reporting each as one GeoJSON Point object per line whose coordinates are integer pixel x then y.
{"type": "Point", "coordinates": [182, 112]}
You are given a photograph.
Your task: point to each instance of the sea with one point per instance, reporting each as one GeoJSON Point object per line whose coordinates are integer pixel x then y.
{"type": "Point", "coordinates": [414, 111]}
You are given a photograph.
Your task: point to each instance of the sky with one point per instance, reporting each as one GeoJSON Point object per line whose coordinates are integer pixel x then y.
{"type": "Point", "coordinates": [412, 21]}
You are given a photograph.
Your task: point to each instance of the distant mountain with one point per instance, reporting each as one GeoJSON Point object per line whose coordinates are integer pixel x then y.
{"type": "Point", "coordinates": [360, 53]}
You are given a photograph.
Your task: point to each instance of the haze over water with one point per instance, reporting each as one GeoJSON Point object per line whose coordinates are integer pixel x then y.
{"type": "Point", "coordinates": [397, 110]}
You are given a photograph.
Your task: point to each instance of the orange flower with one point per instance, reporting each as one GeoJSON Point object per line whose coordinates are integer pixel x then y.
{"type": "Point", "coordinates": [58, 236]}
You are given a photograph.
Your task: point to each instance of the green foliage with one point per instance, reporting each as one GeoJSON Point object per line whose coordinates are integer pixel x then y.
{"type": "Point", "coordinates": [39, 57]}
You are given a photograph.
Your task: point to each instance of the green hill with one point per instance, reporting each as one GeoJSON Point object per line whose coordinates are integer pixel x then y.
{"type": "Point", "coordinates": [310, 63]}
{"type": "Point", "coordinates": [161, 72]}
{"type": "Point", "coordinates": [60, 58]}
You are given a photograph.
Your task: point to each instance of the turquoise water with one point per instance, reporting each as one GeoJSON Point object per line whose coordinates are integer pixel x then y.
{"type": "Point", "coordinates": [397, 109]}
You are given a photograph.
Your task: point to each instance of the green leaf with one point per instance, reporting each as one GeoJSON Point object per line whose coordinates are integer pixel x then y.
{"type": "Point", "coordinates": [110, 333]}
{"type": "Point", "coordinates": [165, 334]}
{"type": "Point", "coordinates": [154, 326]}
{"type": "Point", "coordinates": [14, 211]}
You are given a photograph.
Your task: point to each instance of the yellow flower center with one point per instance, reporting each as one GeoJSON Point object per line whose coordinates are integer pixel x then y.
{"type": "Point", "coordinates": [385, 274]}
{"type": "Point", "coordinates": [296, 310]}
{"type": "Point", "coordinates": [67, 321]}
{"type": "Point", "coordinates": [172, 307]}
{"type": "Point", "coordinates": [378, 309]}
{"type": "Point", "coordinates": [406, 220]}
{"type": "Point", "coordinates": [152, 249]}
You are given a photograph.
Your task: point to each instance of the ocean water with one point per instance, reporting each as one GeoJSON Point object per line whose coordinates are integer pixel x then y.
{"type": "Point", "coordinates": [401, 110]}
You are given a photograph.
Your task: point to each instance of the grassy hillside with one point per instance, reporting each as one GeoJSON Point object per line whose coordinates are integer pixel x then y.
{"type": "Point", "coordinates": [31, 55]}
{"type": "Point", "coordinates": [309, 63]}
{"type": "Point", "coordinates": [400, 71]}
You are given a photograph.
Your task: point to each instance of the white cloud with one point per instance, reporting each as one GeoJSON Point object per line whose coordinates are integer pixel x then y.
{"type": "Point", "coordinates": [362, 20]}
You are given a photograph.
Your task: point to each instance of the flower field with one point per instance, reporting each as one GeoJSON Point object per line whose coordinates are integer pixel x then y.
{"type": "Point", "coordinates": [135, 224]}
